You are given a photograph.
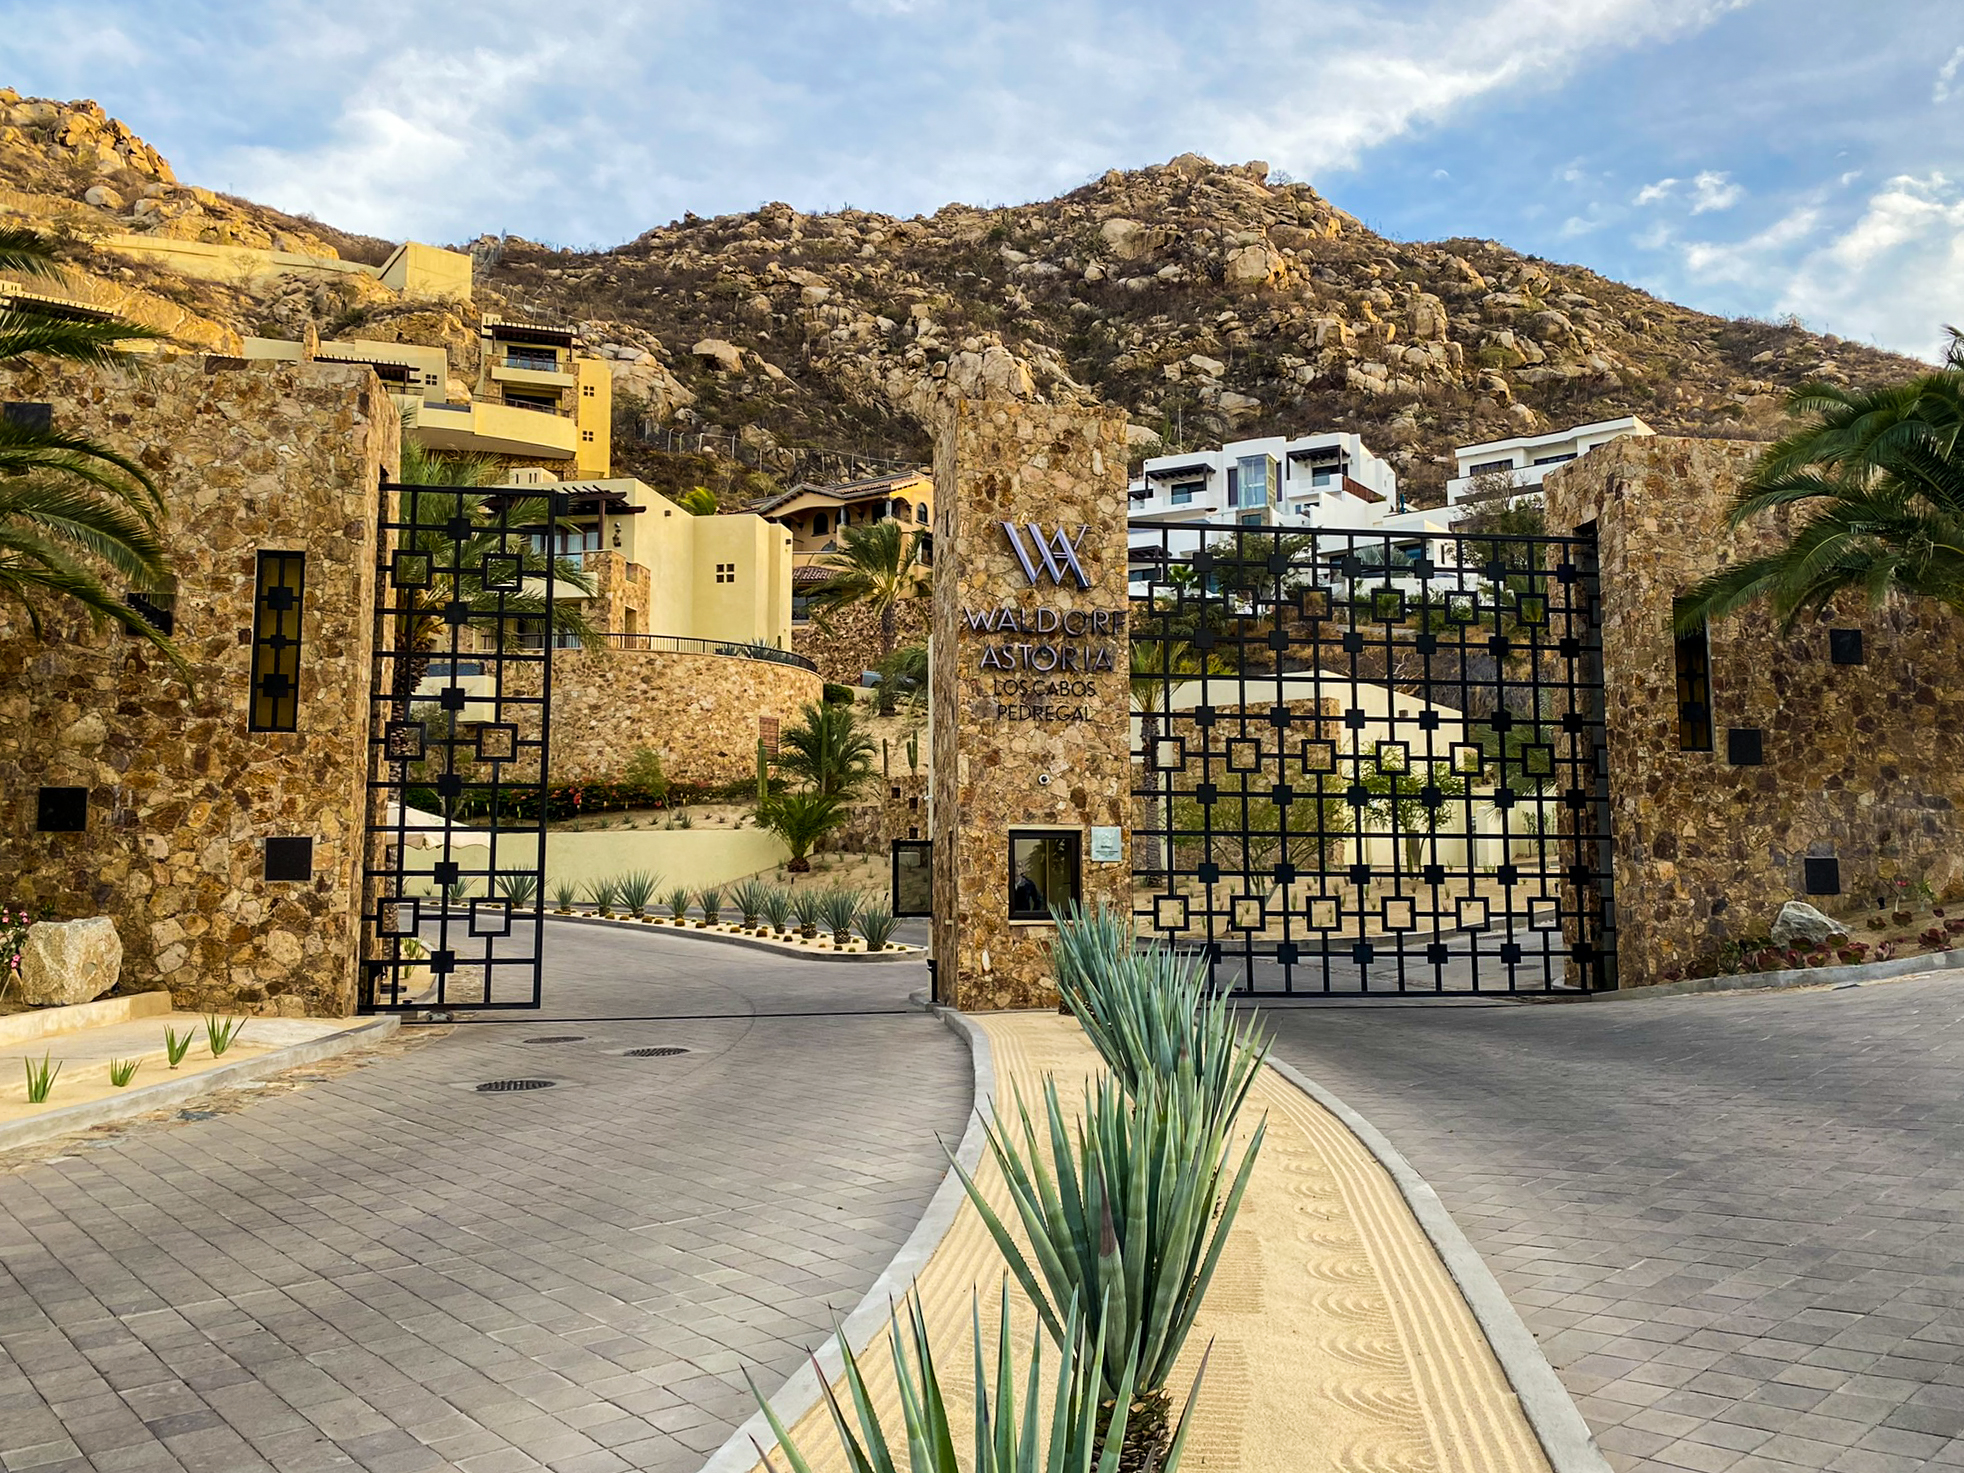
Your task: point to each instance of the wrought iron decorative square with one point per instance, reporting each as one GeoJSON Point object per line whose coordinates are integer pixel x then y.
{"type": "Point", "coordinates": [459, 727]}
{"type": "Point", "coordinates": [61, 810]}
{"type": "Point", "coordinates": [1389, 772]}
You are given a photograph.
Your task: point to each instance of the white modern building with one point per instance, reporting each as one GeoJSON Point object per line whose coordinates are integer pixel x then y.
{"type": "Point", "coordinates": [1529, 458]}
{"type": "Point", "coordinates": [1310, 481]}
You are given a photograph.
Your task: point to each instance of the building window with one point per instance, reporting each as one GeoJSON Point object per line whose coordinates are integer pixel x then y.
{"type": "Point", "coordinates": [820, 524]}
{"type": "Point", "coordinates": [1185, 491]}
{"type": "Point", "coordinates": [1043, 873]}
{"type": "Point", "coordinates": [586, 437]}
{"type": "Point", "coordinates": [1694, 670]}
{"type": "Point", "coordinates": [1491, 467]}
{"type": "Point", "coordinates": [726, 572]}
{"type": "Point", "coordinates": [1257, 477]}
{"type": "Point", "coordinates": [1234, 486]}
{"type": "Point", "coordinates": [586, 391]}
{"type": "Point", "coordinates": [1554, 459]}
{"type": "Point", "coordinates": [920, 513]}
{"type": "Point", "coordinates": [1251, 519]}
{"type": "Point", "coordinates": [534, 360]}
{"type": "Point", "coordinates": [276, 610]}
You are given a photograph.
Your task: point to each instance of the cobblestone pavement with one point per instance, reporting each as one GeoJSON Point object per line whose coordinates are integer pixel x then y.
{"type": "Point", "coordinates": [389, 1271]}
{"type": "Point", "coordinates": [1736, 1225]}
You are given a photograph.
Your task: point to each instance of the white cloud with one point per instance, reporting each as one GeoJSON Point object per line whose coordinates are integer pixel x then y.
{"type": "Point", "coordinates": [1714, 191]}
{"type": "Point", "coordinates": [1897, 274]}
{"type": "Point", "coordinates": [1946, 74]}
{"type": "Point", "coordinates": [1651, 194]}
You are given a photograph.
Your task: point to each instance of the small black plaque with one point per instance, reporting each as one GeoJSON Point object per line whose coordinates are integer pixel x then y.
{"type": "Point", "coordinates": [1845, 647]}
{"type": "Point", "coordinates": [62, 810]}
{"type": "Point", "coordinates": [1743, 746]}
{"type": "Point", "coordinates": [289, 859]}
{"type": "Point", "coordinates": [29, 416]}
{"type": "Point", "coordinates": [1823, 876]}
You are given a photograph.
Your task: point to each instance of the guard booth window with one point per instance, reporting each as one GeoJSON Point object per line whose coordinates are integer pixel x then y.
{"type": "Point", "coordinates": [1694, 672]}
{"type": "Point", "coordinates": [1043, 873]}
{"type": "Point", "coordinates": [276, 641]}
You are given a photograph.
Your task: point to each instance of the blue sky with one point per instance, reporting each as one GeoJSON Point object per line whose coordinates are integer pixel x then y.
{"type": "Point", "coordinates": [1742, 156]}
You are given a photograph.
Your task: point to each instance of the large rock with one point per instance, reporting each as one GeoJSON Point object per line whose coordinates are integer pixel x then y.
{"type": "Point", "coordinates": [1945, 877]}
{"type": "Point", "coordinates": [1800, 922]}
{"type": "Point", "coordinates": [725, 355]}
{"type": "Point", "coordinates": [68, 962]}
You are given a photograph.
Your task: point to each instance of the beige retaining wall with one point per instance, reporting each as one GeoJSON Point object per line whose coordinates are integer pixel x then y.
{"type": "Point", "coordinates": [692, 857]}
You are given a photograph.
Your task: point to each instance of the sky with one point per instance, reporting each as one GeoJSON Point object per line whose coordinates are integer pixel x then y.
{"type": "Point", "coordinates": [1745, 157]}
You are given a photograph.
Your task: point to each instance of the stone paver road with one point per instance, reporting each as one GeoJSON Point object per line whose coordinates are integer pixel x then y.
{"type": "Point", "coordinates": [1736, 1225]}
{"type": "Point", "coordinates": [387, 1270]}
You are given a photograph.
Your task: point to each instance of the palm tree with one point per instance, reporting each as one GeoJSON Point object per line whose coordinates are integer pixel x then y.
{"type": "Point", "coordinates": [827, 750]}
{"type": "Point", "coordinates": [71, 507]}
{"type": "Point", "coordinates": [1881, 473]}
{"type": "Point", "coordinates": [878, 566]}
{"type": "Point", "coordinates": [445, 487]}
{"type": "Point", "coordinates": [698, 501]}
{"type": "Point", "coordinates": [801, 820]}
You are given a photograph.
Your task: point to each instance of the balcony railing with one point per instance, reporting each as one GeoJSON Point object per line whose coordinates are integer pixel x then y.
{"type": "Point", "coordinates": [535, 365]}
{"type": "Point", "coordinates": [679, 644]}
{"type": "Point", "coordinates": [535, 408]}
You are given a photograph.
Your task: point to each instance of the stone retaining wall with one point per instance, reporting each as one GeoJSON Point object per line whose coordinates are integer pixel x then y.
{"type": "Point", "coordinates": [181, 794]}
{"type": "Point", "coordinates": [1860, 762]}
{"type": "Point", "coordinates": [849, 643]}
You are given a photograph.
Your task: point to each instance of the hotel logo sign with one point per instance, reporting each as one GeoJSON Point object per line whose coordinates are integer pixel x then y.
{"type": "Point", "coordinates": [1056, 552]}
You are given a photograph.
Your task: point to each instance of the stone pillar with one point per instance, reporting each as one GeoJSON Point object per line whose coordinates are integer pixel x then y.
{"type": "Point", "coordinates": [1032, 723]}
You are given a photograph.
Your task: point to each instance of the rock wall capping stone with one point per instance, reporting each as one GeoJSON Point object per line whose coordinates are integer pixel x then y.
{"type": "Point", "coordinates": [69, 962]}
{"type": "Point", "coordinates": [181, 795]}
{"type": "Point", "coordinates": [700, 711]}
{"type": "Point", "coordinates": [999, 462]}
{"type": "Point", "coordinates": [1859, 761]}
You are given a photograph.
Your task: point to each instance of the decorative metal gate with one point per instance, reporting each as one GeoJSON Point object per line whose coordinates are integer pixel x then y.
{"type": "Point", "coordinates": [1371, 762]}
{"type": "Point", "coordinates": [459, 719]}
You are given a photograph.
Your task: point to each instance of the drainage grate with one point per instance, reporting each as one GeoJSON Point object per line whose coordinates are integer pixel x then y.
{"type": "Point", "coordinates": [559, 1038]}
{"type": "Point", "coordinates": [653, 1053]}
{"type": "Point", "coordinates": [506, 1086]}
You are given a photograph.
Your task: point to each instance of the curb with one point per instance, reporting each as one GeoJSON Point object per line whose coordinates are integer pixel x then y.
{"type": "Point", "coordinates": [168, 1092]}
{"type": "Point", "coordinates": [869, 1318]}
{"type": "Point", "coordinates": [1564, 1437]}
{"type": "Point", "coordinates": [796, 954]}
{"type": "Point", "coordinates": [1856, 972]}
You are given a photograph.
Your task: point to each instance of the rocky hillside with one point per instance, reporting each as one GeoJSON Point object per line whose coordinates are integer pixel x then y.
{"type": "Point", "coordinates": [1207, 301]}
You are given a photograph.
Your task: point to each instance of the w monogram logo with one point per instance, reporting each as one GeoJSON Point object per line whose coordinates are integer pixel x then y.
{"type": "Point", "coordinates": [1056, 552]}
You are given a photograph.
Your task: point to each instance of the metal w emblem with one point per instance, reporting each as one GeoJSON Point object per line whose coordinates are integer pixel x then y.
{"type": "Point", "coordinates": [1056, 552]}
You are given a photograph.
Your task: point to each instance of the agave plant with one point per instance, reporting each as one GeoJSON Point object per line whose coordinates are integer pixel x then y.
{"type": "Point", "coordinates": [1008, 1439]}
{"type": "Point", "coordinates": [838, 908]}
{"type": "Point", "coordinates": [711, 901]}
{"type": "Point", "coordinates": [602, 893]}
{"type": "Point", "coordinates": [877, 925]}
{"type": "Point", "coordinates": [634, 890]}
{"type": "Point", "coordinates": [1146, 1012]}
{"type": "Point", "coordinates": [564, 893]}
{"type": "Point", "coordinates": [776, 903]}
{"type": "Point", "coordinates": [804, 909]}
{"type": "Point", "coordinates": [1132, 1223]}
{"type": "Point", "coordinates": [748, 897]}
{"type": "Point", "coordinates": [519, 889]}
{"type": "Point", "coordinates": [676, 903]}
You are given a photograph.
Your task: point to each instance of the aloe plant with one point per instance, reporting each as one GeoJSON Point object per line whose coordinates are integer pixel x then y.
{"type": "Point", "coordinates": [40, 1078]}
{"type": "Point", "coordinates": [677, 904]}
{"type": "Point", "coordinates": [805, 902]}
{"type": "Point", "coordinates": [711, 901]}
{"type": "Point", "coordinates": [1132, 1223]}
{"type": "Point", "coordinates": [519, 889]}
{"type": "Point", "coordinates": [776, 904]}
{"type": "Point", "coordinates": [1007, 1438]}
{"type": "Point", "coordinates": [122, 1071]}
{"type": "Point", "coordinates": [1146, 1011]}
{"type": "Point", "coordinates": [564, 893]}
{"type": "Point", "coordinates": [748, 897]}
{"type": "Point", "coordinates": [635, 889]}
{"type": "Point", "coordinates": [877, 925]}
{"type": "Point", "coordinates": [601, 893]}
{"type": "Point", "coordinates": [176, 1047]}
{"type": "Point", "coordinates": [221, 1033]}
{"type": "Point", "coordinates": [838, 908]}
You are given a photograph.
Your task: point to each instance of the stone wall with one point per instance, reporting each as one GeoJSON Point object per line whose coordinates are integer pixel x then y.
{"type": "Point", "coordinates": [181, 795]}
{"type": "Point", "coordinates": [1004, 759]}
{"type": "Point", "coordinates": [1860, 761]}
{"type": "Point", "coordinates": [700, 711]}
{"type": "Point", "coordinates": [894, 807]}
{"type": "Point", "coordinates": [849, 645]}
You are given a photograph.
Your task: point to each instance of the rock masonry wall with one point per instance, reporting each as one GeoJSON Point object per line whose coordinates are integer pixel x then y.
{"type": "Point", "coordinates": [849, 643]}
{"type": "Point", "coordinates": [997, 462]}
{"type": "Point", "coordinates": [181, 795]}
{"type": "Point", "coordinates": [1860, 761]}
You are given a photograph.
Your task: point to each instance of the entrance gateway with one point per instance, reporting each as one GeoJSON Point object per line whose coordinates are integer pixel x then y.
{"type": "Point", "coordinates": [1371, 762]}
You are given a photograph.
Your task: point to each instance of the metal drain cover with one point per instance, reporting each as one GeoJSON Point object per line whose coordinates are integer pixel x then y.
{"type": "Point", "coordinates": [653, 1053]}
{"type": "Point", "coordinates": [559, 1038]}
{"type": "Point", "coordinates": [506, 1086]}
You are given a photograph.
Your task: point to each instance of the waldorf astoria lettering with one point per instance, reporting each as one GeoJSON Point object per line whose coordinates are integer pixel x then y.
{"type": "Point", "coordinates": [1041, 658]}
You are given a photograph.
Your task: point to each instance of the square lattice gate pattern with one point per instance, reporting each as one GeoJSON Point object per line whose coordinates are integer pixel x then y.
{"type": "Point", "coordinates": [1371, 762]}
{"type": "Point", "coordinates": [458, 738]}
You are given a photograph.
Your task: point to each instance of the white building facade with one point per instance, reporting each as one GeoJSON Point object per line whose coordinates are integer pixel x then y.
{"type": "Point", "coordinates": [1529, 458]}
{"type": "Point", "coordinates": [1310, 481]}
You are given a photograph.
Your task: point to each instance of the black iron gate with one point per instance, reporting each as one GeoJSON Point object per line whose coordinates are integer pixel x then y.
{"type": "Point", "coordinates": [453, 885]}
{"type": "Point", "coordinates": [1371, 762]}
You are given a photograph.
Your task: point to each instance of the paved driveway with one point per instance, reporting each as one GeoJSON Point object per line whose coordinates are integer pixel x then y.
{"type": "Point", "coordinates": [1736, 1225]}
{"type": "Point", "coordinates": [388, 1270]}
